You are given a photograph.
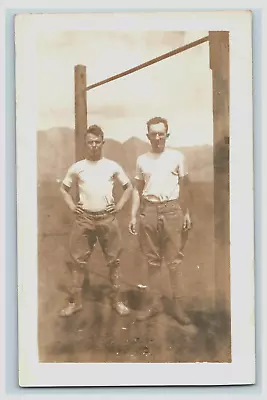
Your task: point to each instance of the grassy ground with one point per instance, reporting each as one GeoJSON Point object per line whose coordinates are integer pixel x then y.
{"type": "Point", "coordinates": [97, 334]}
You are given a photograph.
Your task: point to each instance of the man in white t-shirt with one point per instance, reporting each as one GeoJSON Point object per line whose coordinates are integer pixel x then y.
{"type": "Point", "coordinates": [161, 192]}
{"type": "Point", "coordinates": [95, 217]}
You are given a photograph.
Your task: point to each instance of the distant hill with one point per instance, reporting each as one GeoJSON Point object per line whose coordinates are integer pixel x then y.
{"type": "Point", "coordinates": [132, 149]}
{"type": "Point", "coordinates": [113, 150]}
{"type": "Point", "coordinates": [56, 152]}
{"type": "Point", "coordinates": [199, 160]}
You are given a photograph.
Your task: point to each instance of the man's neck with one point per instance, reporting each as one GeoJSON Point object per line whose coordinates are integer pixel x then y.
{"type": "Point", "coordinates": [157, 152]}
{"type": "Point", "coordinates": [92, 159]}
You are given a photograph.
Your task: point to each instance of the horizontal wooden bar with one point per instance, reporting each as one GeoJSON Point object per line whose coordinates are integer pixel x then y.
{"type": "Point", "coordinates": [148, 63]}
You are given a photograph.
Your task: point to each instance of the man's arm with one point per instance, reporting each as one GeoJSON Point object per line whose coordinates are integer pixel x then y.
{"type": "Point", "coordinates": [136, 199]}
{"type": "Point", "coordinates": [185, 191]}
{"type": "Point", "coordinates": [128, 188]}
{"type": "Point", "coordinates": [185, 200]}
{"type": "Point", "coordinates": [64, 190]}
{"type": "Point", "coordinates": [126, 184]}
{"type": "Point", "coordinates": [137, 194]}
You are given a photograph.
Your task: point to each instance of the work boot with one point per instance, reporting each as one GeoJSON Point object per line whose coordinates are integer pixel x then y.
{"type": "Point", "coordinates": [74, 305]}
{"type": "Point", "coordinates": [180, 315]}
{"type": "Point", "coordinates": [154, 288]}
{"type": "Point", "coordinates": [116, 304]}
{"type": "Point", "coordinates": [176, 280]}
{"type": "Point", "coordinates": [121, 308]}
{"type": "Point", "coordinates": [155, 309]}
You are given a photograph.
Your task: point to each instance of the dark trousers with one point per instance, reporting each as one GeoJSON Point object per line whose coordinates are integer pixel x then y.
{"type": "Point", "coordinates": [160, 237]}
{"type": "Point", "coordinates": [87, 229]}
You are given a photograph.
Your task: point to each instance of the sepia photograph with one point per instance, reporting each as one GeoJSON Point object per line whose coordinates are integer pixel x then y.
{"type": "Point", "coordinates": [131, 169]}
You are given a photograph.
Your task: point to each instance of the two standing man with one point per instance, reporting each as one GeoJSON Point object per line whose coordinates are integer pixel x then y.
{"type": "Point", "coordinates": [160, 196]}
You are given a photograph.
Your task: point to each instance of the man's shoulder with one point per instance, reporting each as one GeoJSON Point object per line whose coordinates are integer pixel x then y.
{"type": "Point", "coordinates": [177, 153]}
{"type": "Point", "coordinates": [76, 165]}
{"type": "Point", "coordinates": [111, 163]}
{"type": "Point", "coordinates": [144, 157]}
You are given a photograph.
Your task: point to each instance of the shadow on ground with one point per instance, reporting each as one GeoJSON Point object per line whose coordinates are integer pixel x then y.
{"type": "Point", "coordinates": [98, 334]}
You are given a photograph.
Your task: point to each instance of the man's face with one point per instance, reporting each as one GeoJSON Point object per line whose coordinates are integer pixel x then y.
{"type": "Point", "coordinates": [157, 136]}
{"type": "Point", "coordinates": [94, 146]}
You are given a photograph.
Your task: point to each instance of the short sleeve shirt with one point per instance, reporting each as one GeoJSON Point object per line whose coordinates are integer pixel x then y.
{"type": "Point", "coordinates": [96, 182]}
{"type": "Point", "coordinates": [160, 173]}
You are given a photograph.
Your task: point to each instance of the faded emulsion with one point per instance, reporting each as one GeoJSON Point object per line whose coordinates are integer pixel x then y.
{"type": "Point", "coordinates": [96, 332]}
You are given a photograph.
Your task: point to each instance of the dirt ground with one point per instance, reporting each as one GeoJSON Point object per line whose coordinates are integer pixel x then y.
{"type": "Point", "coordinates": [97, 333]}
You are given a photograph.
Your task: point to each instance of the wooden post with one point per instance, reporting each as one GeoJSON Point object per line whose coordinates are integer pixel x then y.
{"type": "Point", "coordinates": [219, 64]}
{"type": "Point", "coordinates": [80, 110]}
{"type": "Point", "coordinates": [80, 116]}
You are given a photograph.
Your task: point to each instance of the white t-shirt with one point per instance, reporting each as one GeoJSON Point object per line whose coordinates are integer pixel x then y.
{"type": "Point", "coordinates": [96, 182]}
{"type": "Point", "coordinates": [161, 172]}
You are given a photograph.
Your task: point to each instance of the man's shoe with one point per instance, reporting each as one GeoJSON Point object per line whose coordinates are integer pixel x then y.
{"type": "Point", "coordinates": [121, 308]}
{"type": "Point", "coordinates": [179, 313]}
{"type": "Point", "coordinates": [71, 309]}
{"type": "Point", "coordinates": [150, 312]}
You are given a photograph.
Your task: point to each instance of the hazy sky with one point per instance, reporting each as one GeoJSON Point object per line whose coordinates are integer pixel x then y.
{"type": "Point", "coordinates": [178, 88]}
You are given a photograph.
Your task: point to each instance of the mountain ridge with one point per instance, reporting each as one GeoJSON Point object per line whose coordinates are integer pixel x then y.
{"type": "Point", "coordinates": [56, 152]}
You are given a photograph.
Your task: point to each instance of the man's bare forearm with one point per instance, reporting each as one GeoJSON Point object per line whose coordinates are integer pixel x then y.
{"type": "Point", "coordinates": [135, 202]}
{"type": "Point", "coordinates": [67, 198]}
{"type": "Point", "coordinates": [125, 197]}
{"type": "Point", "coordinates": [185, 194]}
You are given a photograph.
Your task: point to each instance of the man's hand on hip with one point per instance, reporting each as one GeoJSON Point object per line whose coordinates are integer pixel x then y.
{"type": "Point", "coordinates": [112, 208]}
{"type": "Point", "coordinates": [77, 209]}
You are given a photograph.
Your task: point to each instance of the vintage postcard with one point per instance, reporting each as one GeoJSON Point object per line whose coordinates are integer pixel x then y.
{"type": "Point", "coordinates": [135, 199]}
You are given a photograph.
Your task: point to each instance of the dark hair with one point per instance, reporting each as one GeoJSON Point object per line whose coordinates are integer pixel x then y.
{"type": "Point", "coordinates": [95, 130]}
{"type": "Point", "coordinates": [157, 120]}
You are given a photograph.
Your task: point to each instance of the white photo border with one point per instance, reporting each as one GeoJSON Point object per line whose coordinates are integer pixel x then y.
{"type": "Point", "coordinates": [242, 368]}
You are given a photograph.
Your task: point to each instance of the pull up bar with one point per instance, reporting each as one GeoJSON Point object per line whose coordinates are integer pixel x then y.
{"type": "Point", "coordinates": [148, 63]}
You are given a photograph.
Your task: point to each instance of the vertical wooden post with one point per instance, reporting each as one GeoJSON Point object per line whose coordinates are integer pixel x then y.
{"type": "Point", "coordinates": [80, 110]}
{"type": "Point", "coordinates": [219, 64]}
{"type": "Point", "coordinates": [80, 116]}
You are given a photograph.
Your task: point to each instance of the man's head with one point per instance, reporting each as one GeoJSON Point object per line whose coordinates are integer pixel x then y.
{"type": "Point", "coordinates": [94, 140]}
{"type": "Point", "coordinates": [157, 129]}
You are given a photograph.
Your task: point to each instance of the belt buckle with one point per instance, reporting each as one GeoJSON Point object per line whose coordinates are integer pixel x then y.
{"type": "Point", "coordinates": [93, 214]}
{"type": "Point", "coordinates": [99, 215]}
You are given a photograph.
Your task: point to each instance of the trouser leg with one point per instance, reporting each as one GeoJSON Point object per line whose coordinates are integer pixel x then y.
{"type": "Point", "coordinates": [154, 279]}
{"type": "Point", "coordinates": [176, 279]}
{"type": "Point", "coordinates": [150, 246]}
{"type": "Point", "coordinates": [75, 299]}
{"type": "Point", "coordinates": [172, 241]}
{"type": "Point", "coordinates": [82, 241]}
{"type": "Point", "coordinates": [110, 241]}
